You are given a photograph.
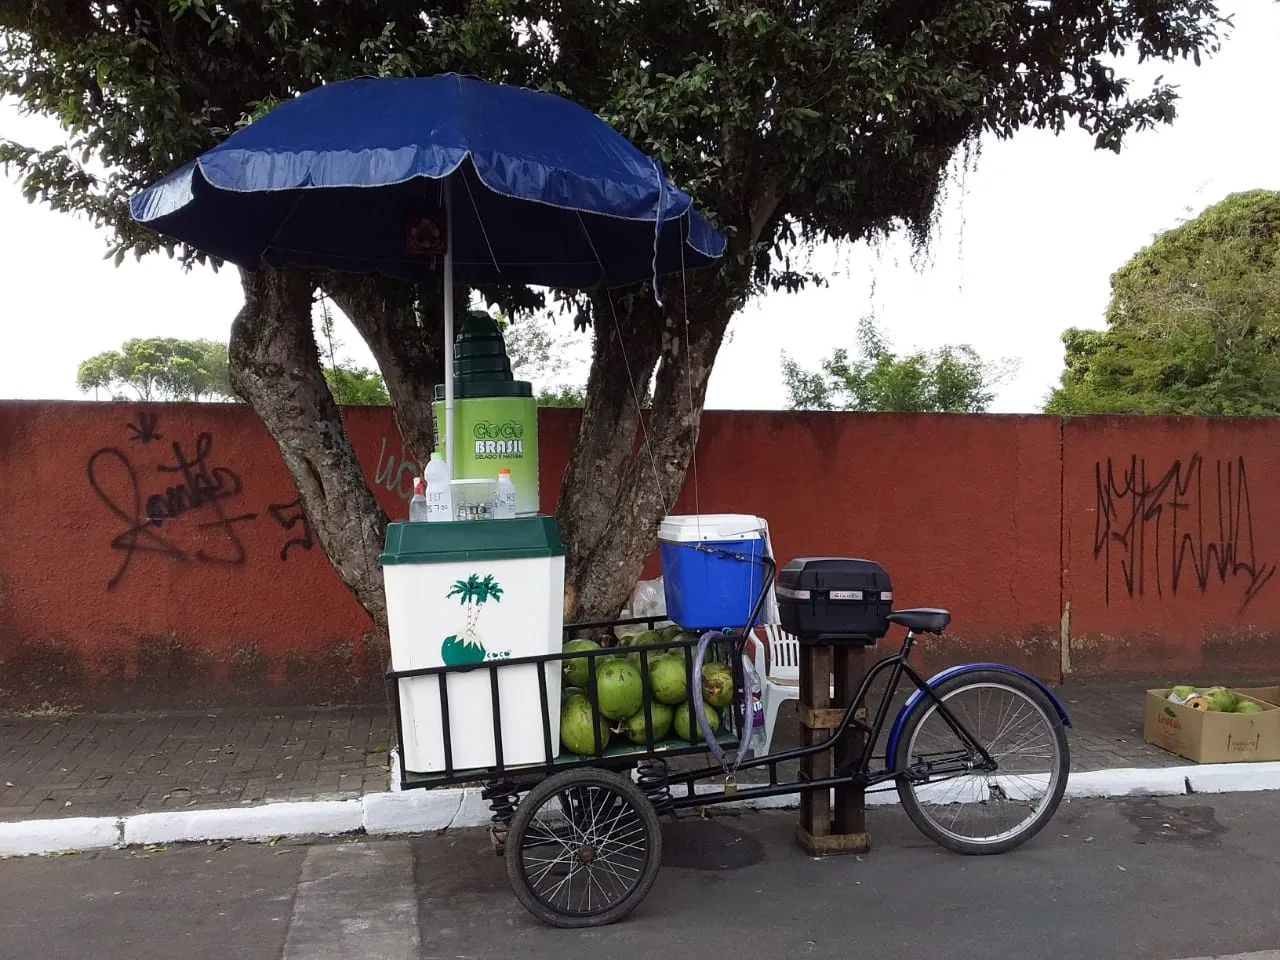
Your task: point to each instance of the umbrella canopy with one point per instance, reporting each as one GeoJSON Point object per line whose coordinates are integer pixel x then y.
{"type": "Point", "coordinates": [357, 176]}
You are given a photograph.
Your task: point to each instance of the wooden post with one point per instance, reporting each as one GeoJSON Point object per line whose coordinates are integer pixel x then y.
{"type": "Point", "coordinates": [822, 830]}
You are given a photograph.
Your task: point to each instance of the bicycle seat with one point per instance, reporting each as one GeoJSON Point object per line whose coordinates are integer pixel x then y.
{"type": "Point", "coordinates": [922, 619]}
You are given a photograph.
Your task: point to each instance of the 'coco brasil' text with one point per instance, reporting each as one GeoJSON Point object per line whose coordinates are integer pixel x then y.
{"type": "Point", "coordinates": [499, 448]}
{"type": "Point", "coordinates": [498, 439]}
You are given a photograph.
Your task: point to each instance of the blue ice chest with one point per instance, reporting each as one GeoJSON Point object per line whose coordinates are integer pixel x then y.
{"type": "Point", "coordinates": [706, 590]}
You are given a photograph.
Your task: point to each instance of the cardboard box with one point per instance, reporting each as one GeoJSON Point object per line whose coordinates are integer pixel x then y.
{"type": "Point", "coordinates": [1212, 737]}
{"type": "Point", "coordinates": [1265, 694]}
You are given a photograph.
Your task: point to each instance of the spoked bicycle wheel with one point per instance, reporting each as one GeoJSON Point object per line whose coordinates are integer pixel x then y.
{"type": "Point", "coordinates": [583, 849]}
{"type": "Point", "coordinates": [952, 794]}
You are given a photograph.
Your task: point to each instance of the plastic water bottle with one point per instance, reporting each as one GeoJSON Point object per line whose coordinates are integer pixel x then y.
{"type": "Point", "coordinates": [439, 497]}
{"type": "Point", "coordinates": [755, 746]}
{"type": "Point", "coordinates": [418, 509]}
{"type": "Point", "coordinates": [504, 505]}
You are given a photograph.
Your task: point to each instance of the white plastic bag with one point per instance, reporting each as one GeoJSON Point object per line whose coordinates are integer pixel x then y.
{"type": "Point", "coordinates": [647, 600]}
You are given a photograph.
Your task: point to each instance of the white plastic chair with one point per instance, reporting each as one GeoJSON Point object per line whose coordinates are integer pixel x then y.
{"type": "Point", "coordinates": [781, 680]}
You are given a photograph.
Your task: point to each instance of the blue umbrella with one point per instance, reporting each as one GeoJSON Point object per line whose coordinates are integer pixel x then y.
{"type": "Point", "coordinates": [444, 175]}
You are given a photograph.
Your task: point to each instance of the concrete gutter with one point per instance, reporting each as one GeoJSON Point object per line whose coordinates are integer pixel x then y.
{"type": "Point", "coordinates": [428, 811]}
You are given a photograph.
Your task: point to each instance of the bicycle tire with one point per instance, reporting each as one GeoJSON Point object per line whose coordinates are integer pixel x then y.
{"type": "Point", "coordinates": [924, 708]}
{"type": "Point", "coordinates": [584, 779]}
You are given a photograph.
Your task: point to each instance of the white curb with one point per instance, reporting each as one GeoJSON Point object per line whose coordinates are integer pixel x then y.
{"type": "Point", "coordinates": [426, 811]}
{"type": "Point", "coordinates": [245, 823]}
{"type": "Point", "coordinates": [57, 836]}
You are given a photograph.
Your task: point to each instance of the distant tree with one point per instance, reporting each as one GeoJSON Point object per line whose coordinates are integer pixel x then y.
{"type": "Point", "coordinates": [952, 379]}
{"type": "Point", "coordinates": [354, 386]}
{"type": "Point", "coordinates": [563, 396]}
{"type": "Point", "coordinates": [159, 368]}
{"type": "Point", "coordinates": [1193, 323]}
{"type": "Point", "coordinates": [537, 354]}
{"type": "Point", "coordinates": [351, 385]}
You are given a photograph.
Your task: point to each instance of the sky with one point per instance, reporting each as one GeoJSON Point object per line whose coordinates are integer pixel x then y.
{"type": "Point", "coordinates": [1024, 248]}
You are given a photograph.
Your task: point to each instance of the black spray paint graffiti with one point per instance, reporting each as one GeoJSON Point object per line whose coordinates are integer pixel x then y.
{"type": "Point", "coordinates": [191, 488]}
{"type": "Point", "coordinates": [1189, 523]}
{"type": "Point", "coordinates": [290, 515]}
{"type": "Point", "coordinates": [144, 431]}
{"type": "Point", "coordinates": [190, 485]}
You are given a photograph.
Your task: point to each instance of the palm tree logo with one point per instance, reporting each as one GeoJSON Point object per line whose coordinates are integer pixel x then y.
{"type": "Point", "coordinates": [472, 593]}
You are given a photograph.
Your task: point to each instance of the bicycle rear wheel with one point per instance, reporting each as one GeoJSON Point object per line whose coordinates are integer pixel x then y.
{"type": "Point", "coordinates": [949, 792]}
{"type": "Point", "coordinates": [584, 848]}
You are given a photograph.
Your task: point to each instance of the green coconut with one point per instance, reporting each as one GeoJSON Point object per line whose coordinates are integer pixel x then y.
{"type": "Point", "coordinates": [1183, 691]}
{"type": "Point", "coordinates": [567, 692]}
{"type": "Point", "coordinates": [577, 670]}
{"type": "Point", "coordinates": [1248, 706]}
{"type": "Point", "coordinates": [668, 680]}
{"type": "Point", "coordinates": [687, 728]}
{"type": "Point", "coordinates": [717, 685]}
{"type": "Point", "coordinates": [1220, 699]}
{"type": "Point", "coordinates": [672, 632]}
{"type": "Point", "coordinates": [576, 730]}
{"type": "Point", "coordinates": [619, 689]}
{"type": "Point", "coordinates": [633, 728]}
{"type": "Point", "coordinates": [646, 639]}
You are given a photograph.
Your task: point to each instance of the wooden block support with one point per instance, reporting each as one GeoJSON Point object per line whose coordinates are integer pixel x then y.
{"type": "Point", "coordinates": [825, 830]}
{"type": "Point", "coordinates": [826, 720]}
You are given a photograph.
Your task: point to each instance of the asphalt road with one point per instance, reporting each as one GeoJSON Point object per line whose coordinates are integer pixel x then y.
{"type": "Point", "coordinates": [1145, 879]}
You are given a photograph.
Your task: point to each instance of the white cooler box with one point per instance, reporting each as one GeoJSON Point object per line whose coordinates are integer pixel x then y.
{"type": "Point", "coordinates": [467, 593]}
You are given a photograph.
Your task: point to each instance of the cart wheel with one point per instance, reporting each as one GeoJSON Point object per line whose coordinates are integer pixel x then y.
{"type": "Point", "coordinates": [583, 849]}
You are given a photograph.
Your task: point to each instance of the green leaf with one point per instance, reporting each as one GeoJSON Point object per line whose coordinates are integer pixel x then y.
{"type": "Point", "coordinates": [1193, 324]}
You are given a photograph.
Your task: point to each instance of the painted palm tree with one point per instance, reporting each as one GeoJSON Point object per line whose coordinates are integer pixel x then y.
{"type": "Point", "coordinates": [472, 593]}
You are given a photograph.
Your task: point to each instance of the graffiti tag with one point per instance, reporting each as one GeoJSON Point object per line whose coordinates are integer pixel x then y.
{"type": "Point", "coordinates": [192, 485]}
{"type": "Point", "coordinates": [1190, 523]}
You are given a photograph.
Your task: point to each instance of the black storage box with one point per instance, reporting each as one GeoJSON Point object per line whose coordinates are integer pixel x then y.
{"type": "Point", "coordinates": [834, 600]}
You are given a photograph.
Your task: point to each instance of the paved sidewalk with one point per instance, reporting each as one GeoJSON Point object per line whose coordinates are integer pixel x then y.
{"type": "Point", "coordinates": [118, 765]}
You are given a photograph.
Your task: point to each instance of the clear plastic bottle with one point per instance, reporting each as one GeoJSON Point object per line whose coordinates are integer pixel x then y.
{"type": "Point", "coordinates": [418, 508]}
{"type": "Point", "coordinates": [755, 745]}
{"type": "Point", "coordinates": [439, 497]}
{"type": "Point", "coordinates": [504, 498]}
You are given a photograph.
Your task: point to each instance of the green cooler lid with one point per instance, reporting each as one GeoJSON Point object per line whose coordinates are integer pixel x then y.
{"type": "Point", "coordinates": [480, 364]}
{"type": "Point", "coordinates": [466, 540]}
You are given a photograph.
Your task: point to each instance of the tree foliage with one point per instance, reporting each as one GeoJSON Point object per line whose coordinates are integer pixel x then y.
{"type": "Point", "coordinates": [1193, 324]}
{"type": "Point", "coordinates": [159, 368]}
{"type": "Point", "coordinates": [952, 379]}
{"type": "Point", "coordinates": [788, 122]}
{"type": "Point", "coordinates": [350, 384]}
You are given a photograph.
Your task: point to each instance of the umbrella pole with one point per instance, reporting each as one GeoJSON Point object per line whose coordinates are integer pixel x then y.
{"type": "Point", "coordinates": [448, 325]}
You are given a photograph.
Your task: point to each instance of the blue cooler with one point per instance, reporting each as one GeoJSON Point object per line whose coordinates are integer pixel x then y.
{"type": "Point", "coordinates": [706, 590]}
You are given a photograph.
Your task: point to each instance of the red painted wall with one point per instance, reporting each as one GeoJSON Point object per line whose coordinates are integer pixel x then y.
{"type": "Point", "coordinates": [227, 600]}
{"type": "Point", "coordinates": [1172, 536]}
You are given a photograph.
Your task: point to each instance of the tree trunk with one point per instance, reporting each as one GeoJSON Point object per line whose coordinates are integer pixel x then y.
{"type": "Point", "coordinates": [624, 353]}
{"type": "Point", "coordinates": [275, 367]}
{"type": "Point", "coordinates": [613, 500]}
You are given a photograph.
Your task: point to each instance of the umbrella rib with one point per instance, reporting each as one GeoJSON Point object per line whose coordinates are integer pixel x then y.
{"type": "Point", "coordinates": [284, 221]}
{"type": "Point", "coordinates": [479, 219]}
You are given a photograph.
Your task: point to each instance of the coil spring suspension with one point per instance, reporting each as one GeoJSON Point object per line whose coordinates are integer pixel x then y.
{"type": "Point", "coordinates": [502, 797]}
{"type": "Point", "coordinates": [651, 778]}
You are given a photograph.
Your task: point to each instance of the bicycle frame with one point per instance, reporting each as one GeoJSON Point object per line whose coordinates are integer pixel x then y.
{"type": "Point", "coordinates": [859, 773]}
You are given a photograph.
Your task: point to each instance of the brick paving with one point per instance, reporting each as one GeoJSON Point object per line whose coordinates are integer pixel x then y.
{"type": "Point", "coordinates": [120, 764]}
{"type": "Point", "coordinates": [114, 765]}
